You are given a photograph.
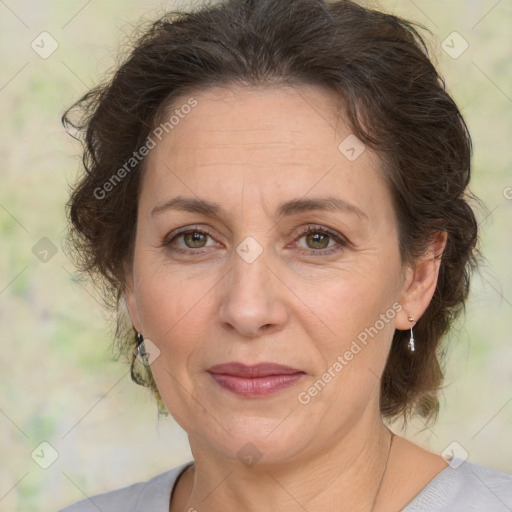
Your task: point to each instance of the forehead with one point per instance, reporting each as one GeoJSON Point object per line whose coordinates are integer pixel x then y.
{"type": "Point", "coordinates": [280, 140]}
{"type": "Point", "coordinates": [258, 118]}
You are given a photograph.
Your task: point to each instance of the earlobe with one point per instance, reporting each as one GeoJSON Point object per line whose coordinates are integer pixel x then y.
{"type": "Point", "coordinates": [421, 282]}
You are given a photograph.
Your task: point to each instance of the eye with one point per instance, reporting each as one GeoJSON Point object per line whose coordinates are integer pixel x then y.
{"type": "Point", "coordinates": [318, 238]}
{"type": "Point", "coordinates": [195, 239]}
{"type": "Point", "coordinates": [192, 240]}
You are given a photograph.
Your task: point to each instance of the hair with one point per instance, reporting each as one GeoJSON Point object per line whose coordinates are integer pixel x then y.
{"type": "Point", "coordinates": [394, 101]}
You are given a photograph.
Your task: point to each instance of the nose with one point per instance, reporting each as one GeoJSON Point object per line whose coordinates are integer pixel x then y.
{"type": "Point", "coordinates": [253, 301]}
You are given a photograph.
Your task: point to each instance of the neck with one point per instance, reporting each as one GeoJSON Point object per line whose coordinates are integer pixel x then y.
{"type": "Point", "coordinates": [347, 476]}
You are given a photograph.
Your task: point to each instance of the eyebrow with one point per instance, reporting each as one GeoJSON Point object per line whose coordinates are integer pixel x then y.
{"type": "Point", "coordinates": [292, 207]}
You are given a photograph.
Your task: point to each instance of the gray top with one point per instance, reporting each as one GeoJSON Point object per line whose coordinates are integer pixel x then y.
{"type": "Point", "coordinates": [461, 487]}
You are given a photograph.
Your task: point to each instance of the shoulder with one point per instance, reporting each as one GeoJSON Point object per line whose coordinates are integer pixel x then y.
{"type": "Point", "coordinates": [154, 495]}
{"type": "Point", "coordinates": [464, 486]}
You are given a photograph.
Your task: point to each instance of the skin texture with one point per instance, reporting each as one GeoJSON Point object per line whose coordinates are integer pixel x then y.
{"type": "Point", "coordinates": [251, 150]}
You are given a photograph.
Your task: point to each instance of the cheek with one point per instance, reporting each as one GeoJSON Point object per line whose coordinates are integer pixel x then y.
{"type": "Point", "coordinates": [172, 311]}
{"type": "Point", "coordinates": [352, 357]}
{"type": "Point", "coordinates": [357, 308]}
{"type": "Point", "coordinates": [168, 297]}
{"type": "Point", "coordinates": [351, 301]}
{"type": "Point", "coordinates": [176, 311]}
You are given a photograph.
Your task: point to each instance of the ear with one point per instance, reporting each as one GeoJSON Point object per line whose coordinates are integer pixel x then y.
{"type": "Point", "coordinates": [420, 283]}
{"type": "Point", "coordinates": [130, 299]}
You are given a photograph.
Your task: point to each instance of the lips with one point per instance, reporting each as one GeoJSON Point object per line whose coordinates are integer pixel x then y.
{"type": "Point", "coordinates": [256, 380]}
{"type": "Point", "coordinates": [257, 370]}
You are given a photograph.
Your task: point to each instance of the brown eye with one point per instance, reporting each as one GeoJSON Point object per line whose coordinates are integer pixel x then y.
{"type": "Point", "coordinates": [317, 240]}
{"type": "Point", "coordinates": [189, 241]}
{"type": "Point", "coordinates": [194, 239]}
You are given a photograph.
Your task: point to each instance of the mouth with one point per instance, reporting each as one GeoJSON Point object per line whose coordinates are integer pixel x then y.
{"type": "Point", "coordinates": [256, 380]}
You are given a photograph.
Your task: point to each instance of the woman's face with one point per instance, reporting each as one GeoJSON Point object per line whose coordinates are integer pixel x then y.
{"type": "Point", "coordinates": [229, 275]}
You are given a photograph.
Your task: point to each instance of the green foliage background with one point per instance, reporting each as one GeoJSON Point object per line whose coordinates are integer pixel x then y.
{"type": "Point", "coordinates": [59, 382]}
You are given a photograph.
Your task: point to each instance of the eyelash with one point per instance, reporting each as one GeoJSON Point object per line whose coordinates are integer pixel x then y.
{"type": "Point", "coordinates": [302, 232]}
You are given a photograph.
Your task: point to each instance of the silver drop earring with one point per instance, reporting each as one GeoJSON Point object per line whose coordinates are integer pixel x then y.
{"type": "Point", "coordinates": [140, 349]}
{"type": "Point", "coordinates": [140, 353]}
{"type": "Point", "coordinates": [411, 346]}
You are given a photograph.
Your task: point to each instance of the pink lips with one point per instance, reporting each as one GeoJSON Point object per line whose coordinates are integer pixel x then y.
{"type": "Point", "coordinates": [256, 380]}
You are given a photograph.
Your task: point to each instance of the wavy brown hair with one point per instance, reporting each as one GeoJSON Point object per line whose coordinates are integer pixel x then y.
{"type": "Point", "coordinates": [394, 101]}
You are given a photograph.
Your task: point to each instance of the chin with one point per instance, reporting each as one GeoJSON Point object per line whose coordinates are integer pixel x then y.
{"type": "Point", "coordinates": [257, 440]}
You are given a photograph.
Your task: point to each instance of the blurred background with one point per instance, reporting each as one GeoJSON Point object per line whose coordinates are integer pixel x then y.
{"type": "Point", "coordinates": [72, 423]}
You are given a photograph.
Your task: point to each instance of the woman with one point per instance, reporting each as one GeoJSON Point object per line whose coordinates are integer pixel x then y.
{"type": "Point", "coordinates": [276, 190]}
